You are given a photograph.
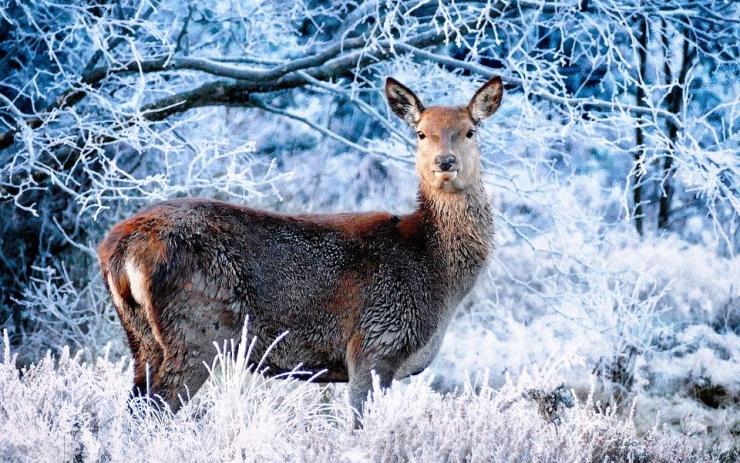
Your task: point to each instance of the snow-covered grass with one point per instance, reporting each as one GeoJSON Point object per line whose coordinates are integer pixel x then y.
{"type": "Point", "coordinates": [64, 409]}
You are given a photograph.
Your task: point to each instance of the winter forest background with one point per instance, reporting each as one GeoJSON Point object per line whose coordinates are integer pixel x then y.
{"type": "Point", "coordinates": [612, 165]}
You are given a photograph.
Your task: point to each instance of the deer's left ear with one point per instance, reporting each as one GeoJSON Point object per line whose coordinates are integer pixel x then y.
{"type": "Point", "coordinates": [486, 100]}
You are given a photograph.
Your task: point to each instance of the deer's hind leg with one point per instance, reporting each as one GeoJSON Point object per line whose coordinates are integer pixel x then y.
{"type": "Point", "coordinates": [182, 372]}
{"type": "Point", "coordinates": [146, 352]}
{"type": "Point", "coordinates": [191, 321]}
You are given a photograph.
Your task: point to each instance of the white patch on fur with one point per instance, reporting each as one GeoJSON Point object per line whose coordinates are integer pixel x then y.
{"type": "Point", "coordinates": [117, 299]}
{"type": "Point", "coordinates": [139, 284]}
{"type": "Point", "coordinates": [137, 281]}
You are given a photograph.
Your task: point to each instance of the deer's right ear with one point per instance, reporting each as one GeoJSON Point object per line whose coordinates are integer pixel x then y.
{"type": "Point", "coordinates": [486, 100]}
{"type": "Point", "coordinates": [403, 102]}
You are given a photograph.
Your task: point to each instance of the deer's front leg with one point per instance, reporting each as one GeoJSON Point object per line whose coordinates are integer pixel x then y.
{"type": "Point", "coordinates": [361, 363]}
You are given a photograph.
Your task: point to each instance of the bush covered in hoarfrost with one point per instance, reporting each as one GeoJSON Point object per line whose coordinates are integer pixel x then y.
{"type": "Point", "coordinates": [64, 409]}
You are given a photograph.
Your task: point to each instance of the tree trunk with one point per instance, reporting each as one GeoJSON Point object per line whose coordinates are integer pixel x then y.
{"type": "Point", "coordinates": [639, 136]}
{"type": "Point", "coordinates": [675, 100]}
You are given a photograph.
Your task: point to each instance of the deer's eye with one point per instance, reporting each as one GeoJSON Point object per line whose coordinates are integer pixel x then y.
{"type": "Point", "coordinates": [420, 134]}
{"type": "Point", "coordinates": [470, 133]}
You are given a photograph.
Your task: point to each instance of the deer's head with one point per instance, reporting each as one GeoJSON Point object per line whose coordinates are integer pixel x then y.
{"type": "Point", "coordinates": [447, 155]}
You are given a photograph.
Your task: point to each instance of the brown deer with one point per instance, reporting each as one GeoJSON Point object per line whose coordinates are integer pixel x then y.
{"type": "Point", "coordinates": [356, 292]}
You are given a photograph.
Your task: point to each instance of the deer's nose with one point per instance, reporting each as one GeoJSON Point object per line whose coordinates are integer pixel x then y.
{"type": "Point", "coordinates": [445, 162]}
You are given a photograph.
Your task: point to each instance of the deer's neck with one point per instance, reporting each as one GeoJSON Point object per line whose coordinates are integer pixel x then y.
{"type": "Point", "coordinates": [459, 233]}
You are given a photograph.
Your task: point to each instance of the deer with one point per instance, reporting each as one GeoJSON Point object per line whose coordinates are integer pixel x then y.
{"type": "Point", "coordinates": [357, 293]}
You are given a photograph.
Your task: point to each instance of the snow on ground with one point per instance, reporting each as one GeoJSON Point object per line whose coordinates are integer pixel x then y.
{"type": "Point", "coordinates": [65, 409]}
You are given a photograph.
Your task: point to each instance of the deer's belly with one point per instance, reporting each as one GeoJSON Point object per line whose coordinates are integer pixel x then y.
{"type": "Point", "coordinates": [421, 359]}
